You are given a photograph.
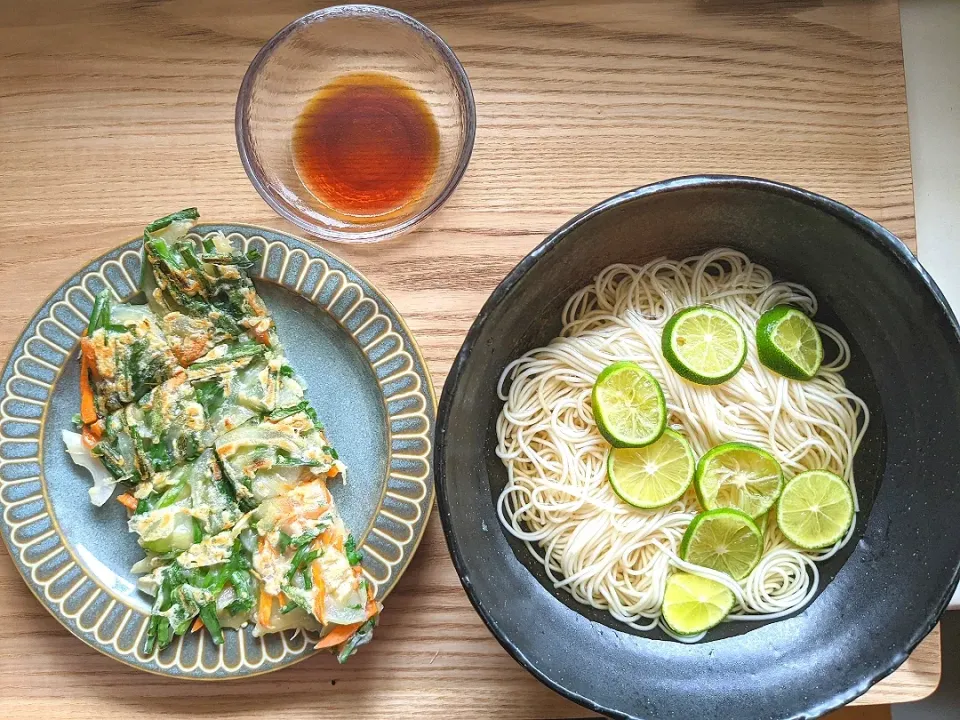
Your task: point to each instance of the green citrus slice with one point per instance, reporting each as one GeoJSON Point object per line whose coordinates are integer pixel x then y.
{"type": "Point", "coordinates": [628, 405]}
{"type": "Point", "coordinates": [654, 475]}
{"type": "Point", "coordinates": [724, 540]}
{"type": "Point", "coordinates": [694, 604]}
{"type": "Point", "coordinates": [789, 343]}
{"type": "Point", "coordinates": [704, 345]}
{"type": "Point", "coordinates": [739, 476]}
{"type": "Point", "coordinates": [815, 510]}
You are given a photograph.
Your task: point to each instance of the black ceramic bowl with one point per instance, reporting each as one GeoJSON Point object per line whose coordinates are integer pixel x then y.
{"type": "Point", "coordinates": [878, 599]}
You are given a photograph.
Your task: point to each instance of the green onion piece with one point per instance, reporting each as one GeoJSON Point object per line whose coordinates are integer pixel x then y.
{"type": "Point", "coordinates": [172, 495]}
{"type": "Point", "coordinates": [163, 632]}
{"type": "Point", "coordinates": [243, 588]}
{"type": "Point", "coordinates": [185, 214]}
{"type": "Point", "coordinates": [285, 412]}
{"type": "Point", "coordinates": [100, 315]}
{"type": "Point", "coordinates": [243, 350]}
{"type": "Point", "coordinates": [151, 640]}
{"type": "Point", "coordinates": [302, 557]}
{"type": "Point", "coordinates": [312, 414]}
{"type": "Point", "coordinates": [145, 505]}
{"type": "Point", "coordinates": [354, 556]}
{"type": "Point", "coordinates": [208, 613]}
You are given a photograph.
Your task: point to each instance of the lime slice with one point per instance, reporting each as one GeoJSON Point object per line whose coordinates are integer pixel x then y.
{"type": "Point", "coordinates": [704, 345]}
{"type": "Point", "coordinates": [628, 405]}
{"type": "Point", "coordinates": [789, 343]}
{"type": "Point", "coordinates": [654, 475]}
{"type": "Point", "coordinates": [815, 510]}
{"type": "Point", "coordinates": [723, 540]}
{"type": "Point", "coordinates": [739, 476]}
{"type": "Point", "coordinates": [694, 604]}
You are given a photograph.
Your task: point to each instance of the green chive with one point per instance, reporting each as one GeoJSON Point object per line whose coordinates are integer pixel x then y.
{"type": "Point", "coordinates": [208, 613]}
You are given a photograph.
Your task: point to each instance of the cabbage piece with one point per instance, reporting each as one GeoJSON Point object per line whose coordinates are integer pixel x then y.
{"type": "Point", "coordinates": [186, 505]}
{"type": "Point", "coordinates": [165, 530]}
{"type": "Point", "coordinates": [297, 510]}
{"type": "Point", "coordinates": [345, 598]}
{"type": "Point", "coordinates": [212, 550]}
{"type": "Point", "coordinates": [295, 619]}
{"type": "Point", "coordinates": [258, 457]}
{"type": "Point", "coordinates": [227, 619]}
{"type": "Point", "coordinates": [244, 381]}
{"type": "Point", "coordinates": [103, 482]}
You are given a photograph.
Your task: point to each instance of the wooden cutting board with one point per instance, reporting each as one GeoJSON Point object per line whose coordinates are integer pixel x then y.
{"type": "Point", "coordinates": [113, 113]}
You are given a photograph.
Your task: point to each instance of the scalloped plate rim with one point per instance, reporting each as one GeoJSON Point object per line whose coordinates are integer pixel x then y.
{"type": "Point", "coordinates": [249, 232]}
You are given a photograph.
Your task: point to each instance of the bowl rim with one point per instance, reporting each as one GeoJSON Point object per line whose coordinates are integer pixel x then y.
{"type": "Point", "coordinates": [875, 233]}
{"type": "Point", "coordinates": [253, 168]}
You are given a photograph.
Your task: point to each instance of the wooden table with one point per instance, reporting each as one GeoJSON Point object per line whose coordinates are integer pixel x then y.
{"type": "Point", "coordinates": [113, 113]}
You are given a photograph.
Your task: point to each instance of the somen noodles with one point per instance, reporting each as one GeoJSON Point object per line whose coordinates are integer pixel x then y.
{"type": "Point", "coordinates": [607, 553]}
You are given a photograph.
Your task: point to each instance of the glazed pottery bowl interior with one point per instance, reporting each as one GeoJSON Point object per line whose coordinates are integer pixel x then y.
{"type": "Point", "coordinates": [877, 598]}
{"type": "Point", "coordinates": [306, 56]}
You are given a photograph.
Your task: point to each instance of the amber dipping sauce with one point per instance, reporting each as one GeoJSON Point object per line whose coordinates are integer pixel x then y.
{"type": "Point", "coordinates": [366, 145]}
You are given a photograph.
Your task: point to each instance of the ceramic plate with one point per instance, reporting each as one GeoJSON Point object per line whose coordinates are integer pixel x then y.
{"type": "Point", "coordinates": [366, 379]}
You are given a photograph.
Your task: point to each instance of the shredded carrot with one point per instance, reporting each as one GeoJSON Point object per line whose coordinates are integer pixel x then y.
{"type": "Point", "coordinates": [304, 475]}
{"type": "Point", "coordinates": [339, 634]}
{"type": "Point", "coordinates": [373, 607]}
{"type": "Point", "coordinates": [88, 411]}
{"type": "Point", "coordinates": [333, 537]}
{"type": "Point", "coordinates": [192, 348]}
{"type": "Point", "coordinates": [332, 472]}
{"type": "Point", "coordinates": [92, 434]}
{"type": "Point", "coordinates": [266, 609]}
{"type": "Point", "coordinates": [128, 501]}
{"type": "Point", "coordinates": [320, 598]}
{"type": "Point", "coordinates": [197, 624]}
{"type": "Point", "coordinates": [314, 513]}
{"type": "Point", "coordinates": [262, 336]}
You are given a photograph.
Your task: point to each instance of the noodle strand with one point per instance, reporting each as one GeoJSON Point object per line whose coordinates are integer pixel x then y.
{"type": "Point", "coordinates": [557, 500]}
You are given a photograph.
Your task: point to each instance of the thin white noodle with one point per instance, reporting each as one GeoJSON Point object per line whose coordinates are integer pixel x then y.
{"type": "Point", "coordinates": [557, 500]}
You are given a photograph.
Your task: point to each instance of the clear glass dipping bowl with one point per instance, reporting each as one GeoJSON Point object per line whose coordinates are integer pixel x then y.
{"type": "Point", "coordinates": [306, 56]}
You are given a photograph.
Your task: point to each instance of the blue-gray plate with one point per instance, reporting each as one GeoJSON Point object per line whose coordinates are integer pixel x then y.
{"type": "Point", "coordinates": [365, 376]}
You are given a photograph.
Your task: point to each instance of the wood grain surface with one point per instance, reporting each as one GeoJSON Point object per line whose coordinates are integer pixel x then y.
{"type": "Point", "coordinates": [113, 113]}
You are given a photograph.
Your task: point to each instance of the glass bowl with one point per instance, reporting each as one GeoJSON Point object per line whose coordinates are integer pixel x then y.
{"type": "Point", "coordinates": [306, 56]}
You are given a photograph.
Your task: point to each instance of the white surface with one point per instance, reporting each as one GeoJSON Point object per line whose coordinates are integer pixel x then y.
{"type": "Point", "coordinates": [931, 58]}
